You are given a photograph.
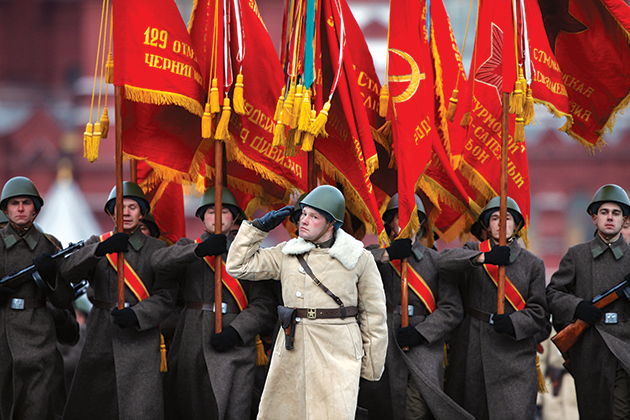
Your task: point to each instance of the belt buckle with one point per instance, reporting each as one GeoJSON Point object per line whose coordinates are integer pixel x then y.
{"type": "Point", "coordinates": [410, 310]}
{"type": "Point", "coordinates": [17, 303]}
{"type": "Point", "coordinates": [223, 307]}
{"type": "Point", "coordinates": [311, 313]}
{"type": "Point", "coordinates": [610, 318]}
{"type": "Point", "coordinates": [127, 305]}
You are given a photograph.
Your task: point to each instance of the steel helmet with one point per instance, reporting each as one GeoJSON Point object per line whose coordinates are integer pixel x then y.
{"type": "Point", "coordinates": [149, 220]}
{"type": "Point", "coordinates": [297, 210]}
{"type": "Point", "coordinates": [227, 200]}
{"type": "Point", "coordinates": [3, 218]}
{"type": "Point", "coordinates": [327, 199]}
{"type": "Point", "coordinates": [494, 205]}
{"type": "Point", "coordinates": [130, 190]}
{"type": "Point", "coordinates": [610, 193]}
{"type": "Point", "coordinates": [392, 208]}
{"type": "Point", "coordinates": [20, 187]}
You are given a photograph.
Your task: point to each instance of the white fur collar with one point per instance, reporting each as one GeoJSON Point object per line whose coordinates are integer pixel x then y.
{"type": "Point", "coordinates": [345, 249]}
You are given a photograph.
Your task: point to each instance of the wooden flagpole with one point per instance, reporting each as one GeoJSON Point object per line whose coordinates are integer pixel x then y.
{"type": "Point", "coordinates": [218, 221]}
{"type": "Point", "coordinates": [505, 132]}
{"type": "Point", "coordinates": [119, 197]}
{"type": "Point", "coordinates": [404, 296]}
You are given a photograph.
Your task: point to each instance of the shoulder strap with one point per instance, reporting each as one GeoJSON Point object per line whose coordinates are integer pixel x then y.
{"type": "Point", "coordinates": [308, 270]}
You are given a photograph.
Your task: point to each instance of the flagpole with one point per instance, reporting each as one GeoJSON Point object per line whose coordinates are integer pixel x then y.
{"type": "Point", "coordinates": [311, 180]}
{"type": "Point", "coordinates": [119, 197]}
{"type": "Point", "coordinates": [133, 170]}
{"type": "Point", "coordinates": [218, 221]}
{"type": "Point", "coordinates": [404, 296]}
{"type": "Point", "coordinates": [505, 132]}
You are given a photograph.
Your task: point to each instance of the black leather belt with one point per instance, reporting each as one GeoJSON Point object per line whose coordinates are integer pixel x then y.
{"type": "Point", "coordinates": [20, 304]}
{"type": "Point", "coordinates": [476, 313]}
{"type": "Point", "coordinates": [413, 310]}
{"type": "Point", "coordinates": [314, 313]}
{"type": "Point", "coordinates": [108, 306]}
{"type": "Point", "coordinates": [226, 308]}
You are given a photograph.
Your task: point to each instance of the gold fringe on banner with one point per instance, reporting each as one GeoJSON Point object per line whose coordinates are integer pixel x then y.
{"type": "Point", "coordinates": [383, 101]}
{"type": "Point", "coordinates": [157, 97]}
{"type": "Point", "coordinates": [238, 100]}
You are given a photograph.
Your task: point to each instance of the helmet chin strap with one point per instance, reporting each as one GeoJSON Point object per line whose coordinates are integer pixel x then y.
{"type": "Point", "coordinates": [323, 232]}
{"type": "Point", "coordinates": [25, 228]}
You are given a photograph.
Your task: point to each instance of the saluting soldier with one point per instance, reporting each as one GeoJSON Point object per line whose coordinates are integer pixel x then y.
{"type": "Point", "coordinates": [493, 356]}
{"type": "Point", "coordinates": [211, 375]}
{"type": "Point", "coordinates": [334, 318]}
{"type": "Point", "coordinates": [27, 329]}
{"type": "Point", "coordinates": [118, 374]}
{"type": "Point", "coordinates": [434, 309]}
{"type": "Point", "coordinates": [600, 359]}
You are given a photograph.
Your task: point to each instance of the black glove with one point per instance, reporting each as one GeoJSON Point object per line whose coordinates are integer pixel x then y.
{"type": "Point", "coordinates": [273, 218]}
{"type": "Point", "coordinates": [118, 242]}
{"type": "Point", "coordinates": [214, 245]}
{"type": "Point", "coordinates": [409, 337]}
{"type": "Point", "coordinates": [46, 267]}
{"type": "Point", "coordinates": [225, 340]}
{"type": "Point", "coordinates": [399, 249]}
{"type": "Point", "coordinates": [125, 318]}
{"type": "Point", "coordinates": [503, 324]}
{"type": "Point", "coordinates": [587, 312]}
{"type": "Point", "coordinates": [498, 255]}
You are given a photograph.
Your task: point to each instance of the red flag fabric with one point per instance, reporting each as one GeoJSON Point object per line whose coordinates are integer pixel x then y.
{"type": "Point", "coordinates": [590, 40]}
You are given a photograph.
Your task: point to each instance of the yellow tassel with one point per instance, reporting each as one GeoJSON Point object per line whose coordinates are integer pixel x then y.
{"type": "Point", "coordinates": [289, 143]}
{"type": "Point", "coordinates": [206, 123]}
{"type": "Point", "coordinates": [87, 140]}
{"type": "Point", "coordinates": [385, 130]}
{"type": "Point", "coordinates": [519, 129]}
{"type": "Point", "coordinates": [239, 101]}
{"type": "Point", "coordinates": [105, 123]}
{"type": "Point", "coordinates": [278, 115]}
{"type": "Point", "coordinates": [445, 359]}
{"type": "Point", "coordinates": [163, 365]}
{"type": "Point", "coordinates": [517, 98]}
{"type": "Point", "coordinates": [305, 112]}
{"type": "Point", "coordinates": [383, 101]}
{"type": "Point", "coordinates": [542, 388]}
{"type": "Point", "coordinates": [215, 106]}
{"type": "Point", "coordinates": [222, 128]}
{"type": "Point", "coordinates": [261, 357]}
{"type": "Point", "coordinates": [465, 120]}
{"type": "Point", "coordinates": [452, 106]}
{"type": "Point", "coordinates": [307, 138]}
{"type": "Point", "coordinates": [288, 107]}
{"type": "Point", "coordinates": [95, 140]}
{"type": "Point", "coordinates": [297, 107]}
{"type": "Point", "coordinates": [109, 69]}
{"type": "Point", "coordinates": [318, 127]}
{"type": "Point", "coordinates": [279, 134]}
{"type": "Point", "coordinates": [528, 111]}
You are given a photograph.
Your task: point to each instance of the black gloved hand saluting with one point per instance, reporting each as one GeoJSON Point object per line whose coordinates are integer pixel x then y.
{"type": "Point", "coordinates": [125, 318]}
{"type": "Point", "coordinates": [503, 324]}
{"type": "Point", "coordinates": [498, 255]}
{"type": "Point", "coordinates": [46, 267]}
{"type": "Point", "coordinates": [587, 312]}
{"type": "Point", "coordinates": [225, 340]}
{"type": "Point", "coordinates": [213, 245]}
{"type": "Point", "coordinates": [409, 337]}
{"type": "Point", "coordinates": [118, 242]}
{"type": "Point", "coordinates": [273, 218]}
{"type": "Point", "coordinates": [399, 249]}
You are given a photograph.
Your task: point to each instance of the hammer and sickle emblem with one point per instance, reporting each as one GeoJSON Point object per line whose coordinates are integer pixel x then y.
{"type": "Point", "coordinates": [413, 78]}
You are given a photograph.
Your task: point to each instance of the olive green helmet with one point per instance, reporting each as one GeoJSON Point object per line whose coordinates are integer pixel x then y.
{"type": "Point", "coordinates": [610, 193]}
{"type": "Point", "coordinates": [392, 208]}
{"type": "Point", "coordinates": [3, 218]}
{"type": "Point", "coordinates": [227, 200]}
{"type": "Point", "coordinates": [20, 187]}
{"type": "Point", "coordinates": [494, 205]}
{"type": "Point", "coordinates": [130, 190]}
{"type": "Point", "coordinates": [327, 199]}
{"type": "Point", "coordinates": [297, 210]}
{"type": "Point", "coordinates": [149, 220]}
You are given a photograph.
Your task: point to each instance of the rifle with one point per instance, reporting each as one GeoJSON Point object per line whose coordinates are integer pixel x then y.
{"type": "Point", "coordinates": [567, 337]}
{"type": "Point", "coordinates": [16, 279]}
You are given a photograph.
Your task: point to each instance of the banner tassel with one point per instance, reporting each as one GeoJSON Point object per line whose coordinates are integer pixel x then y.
{"type": "Point", "coordinates": [104, 123]}
{"type": "Point", "coordinates": [318, 127]}
{"type": "Point", "coordinates": [289, 144]}
{"type": "Point", "coordinates": [528, 111]}
{"type": "Point", "coordinates": [87, 140]}
{"type": "Point", "coordinates": [297, 107]}
{"type": "Point", "coordinates": [452, 106]}
{"type": "Point", "coordinates": [278, 115]}
{"type": "Point", "coordinates": [223, 132]}
{"type": "Point", "coordinates": [465, 120]}
{"type": "Point", "coordinates": [288, 107]}
{"type": "Point", "coordinates": [163, 365]}
{"type": "Point", "coordinates": [308, 139]}
{"type": "Point", "coordinates": [542, 388]}
{"type": "Point", "coordinates": [305, 113]}
{"type": "Point", "coordinates": [206, 123]}
{"type": "Point", "coordinates": [109, 69]}
{"type": "Point", "coordinates": [519, 129]}
{"type": "Point", "coordinates": [279, 135]}
{"type": "Point", "coordinates": [383, 100]}
{"type": "Point", "coordinates": [261, 357]}
{"type": "Point", "coordinates": [238, 100]}
{"type": "Point", "coordinates": [215, 106]}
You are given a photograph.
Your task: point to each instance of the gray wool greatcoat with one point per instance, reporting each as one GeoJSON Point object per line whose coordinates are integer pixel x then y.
{"type": "Point", "coordinates": [319, 378]}
{"type": "Point", "coordinates": [435, 328]}
{"type": "Point", "coordinates": [118, 373]}
{"type": "Point", "coordinates": [28, 349]}
{"type": "Point", "coordinates": [485, 365]}
{"type": "Point", "coordinates": [587, 270]}
{"type": "Point", "coordinates": [202, 383]}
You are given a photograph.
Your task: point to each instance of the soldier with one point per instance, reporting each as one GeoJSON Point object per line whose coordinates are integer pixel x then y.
{"type": "Point", "coordinates": [493, 356]}
{"type": "Point", "coordinates": [28, 350]}
{"type": "Point", "coordinates": [321, 354]}
{"type": "Point", "coordinates": [211, 375]}
{"type": "Point", "coordinates": [118, 374]}
{"type": "Point", "coordinates": [434, 309]}
{"type": "Point", "coordinates": [149, 227]}
{"type": "Point", "coordinates": [600, 359]}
